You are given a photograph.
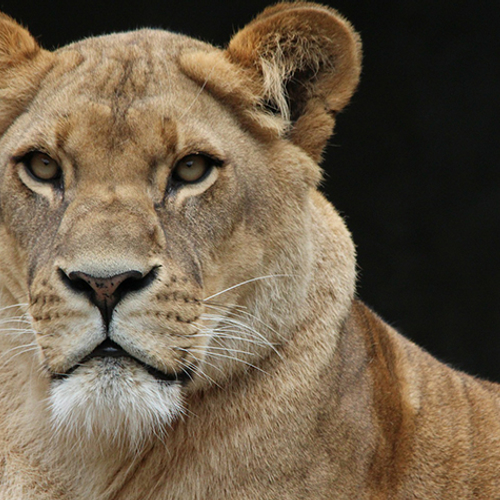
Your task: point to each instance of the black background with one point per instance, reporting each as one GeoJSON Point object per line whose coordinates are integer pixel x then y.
{"type": "Point", "coordinates": [414, 164]}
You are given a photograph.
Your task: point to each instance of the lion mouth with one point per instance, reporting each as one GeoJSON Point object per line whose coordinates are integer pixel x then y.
{"type": "Point", "coordinates": [110, 349]}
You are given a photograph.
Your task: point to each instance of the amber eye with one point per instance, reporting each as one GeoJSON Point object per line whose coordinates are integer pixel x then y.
{"type": "Point", "coordinates": [192, 168]}
{"type": "Point", "coordinates": [42, 167]}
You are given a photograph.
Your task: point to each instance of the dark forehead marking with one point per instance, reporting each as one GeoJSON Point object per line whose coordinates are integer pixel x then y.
{"type": "Point", "coordinates": [62, 131]}
{"type": "Point", "coordinates": [123, 95]}
{"type": "Point", "coordinates": [169, 134]}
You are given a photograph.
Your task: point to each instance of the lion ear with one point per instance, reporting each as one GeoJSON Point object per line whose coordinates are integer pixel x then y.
{"type": "Point", "coordinates": [22, 64]}
{"type": "Point", "coordinates": [306, 60]}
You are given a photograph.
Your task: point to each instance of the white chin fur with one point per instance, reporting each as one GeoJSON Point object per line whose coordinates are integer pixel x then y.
{"type": "Point", "coordinates": [113, 401]}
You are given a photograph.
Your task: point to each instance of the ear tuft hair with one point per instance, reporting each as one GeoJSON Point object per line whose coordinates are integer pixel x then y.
{"type": "Point", "coordinates": [307, 60]}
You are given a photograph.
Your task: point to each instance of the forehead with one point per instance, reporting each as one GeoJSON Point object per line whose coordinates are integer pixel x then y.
{"type": "Point", "coordinates": [124, 88]}
{"type": "Point", "coordinates": [137, 64]}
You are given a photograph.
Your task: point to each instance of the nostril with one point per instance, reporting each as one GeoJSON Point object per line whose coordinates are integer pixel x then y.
{"type": "Point", "coordinates": [106, 292]}
{"type": "Point", "coordinates": [138, 282]}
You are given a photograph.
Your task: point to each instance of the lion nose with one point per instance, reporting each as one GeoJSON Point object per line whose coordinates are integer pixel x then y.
{"type": "Point", "coordinates": [106, 292]}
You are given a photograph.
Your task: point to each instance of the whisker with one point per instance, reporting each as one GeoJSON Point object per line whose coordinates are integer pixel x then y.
{"type": "Point", "coordinates": [243, 326]}
{"type": "Point", "coordinates": [15, 319]}
{"type": "Point", "coordinates": [196, 97]}
{"type": "Point", "coordinates": [20, 304]}
{"type": "Point", "coordinates": [199, 370]}
{"type": "Point", "coordinates": [24, 330]}
{"type": "Point", "coordinates": [228, 333]}
{"type": "Point", "coordinates": [252, 317]}
{"type": "Point", "coordinates": [225, 335]}
{"type": "Point", "coordinates": [217, 336]}
{"type": "Point", "coordinates": [18, 354]}
{"type": "Point", "coordinates": [219, 355]}
{"type": "Point", "coordinates": [175, 348]}
{"type": "Point", "coordinates": [246, 282]}
{"type": "Point", "coordinates": [229, 307]}
{"type": "Point", "coordinates": [31, 344]}
{"type": "Point", "coordinates": [228, 349]}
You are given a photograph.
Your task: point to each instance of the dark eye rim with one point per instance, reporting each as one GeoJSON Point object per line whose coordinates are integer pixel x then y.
{"type": "Point", "coordinates": [25, 161]}
{"type": "Point", "coordinates": [213, 162]}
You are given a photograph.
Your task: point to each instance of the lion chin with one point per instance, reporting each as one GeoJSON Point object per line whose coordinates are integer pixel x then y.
{"type": "Point", "coordinates": [113, 401]}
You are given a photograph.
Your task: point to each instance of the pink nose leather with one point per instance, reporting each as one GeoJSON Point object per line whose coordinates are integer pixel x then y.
{"type": "Point", "coordinates": [103, 292]}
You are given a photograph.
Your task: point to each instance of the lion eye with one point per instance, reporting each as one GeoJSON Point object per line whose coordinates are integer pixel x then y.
{"type": "Point", "coordinates": [42, 167]}
{"type": "Point", "coordinates": [192, 168]}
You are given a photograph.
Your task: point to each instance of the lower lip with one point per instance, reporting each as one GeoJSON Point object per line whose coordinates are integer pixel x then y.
{"type": "Point", "coordinates": [157, 374]}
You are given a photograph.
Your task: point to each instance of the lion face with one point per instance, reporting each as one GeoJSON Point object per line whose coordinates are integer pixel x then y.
{"type": "Point", "coordinates": [133, 207]}
{"type": "Point", "coordinates": [151, 221]}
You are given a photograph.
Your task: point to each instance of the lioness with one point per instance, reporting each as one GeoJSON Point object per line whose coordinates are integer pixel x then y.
{"type": "Point", "coordinates": [179, 317]}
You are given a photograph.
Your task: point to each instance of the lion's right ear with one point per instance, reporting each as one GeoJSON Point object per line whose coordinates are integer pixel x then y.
{"type": "Point", "coordinates": [22, 66]}
{"type": "Point", "coordinates": [299, 60]}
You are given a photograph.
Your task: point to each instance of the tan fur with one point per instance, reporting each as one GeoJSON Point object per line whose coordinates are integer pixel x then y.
{"type": "Point", "coordinates": [297, 390]}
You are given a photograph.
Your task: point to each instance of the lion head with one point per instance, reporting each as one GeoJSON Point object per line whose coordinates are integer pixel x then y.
{"type": "Point", "coordinates": [158, 201]}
